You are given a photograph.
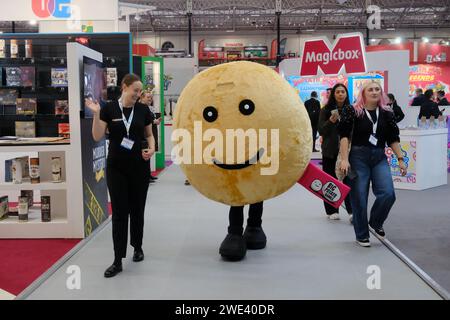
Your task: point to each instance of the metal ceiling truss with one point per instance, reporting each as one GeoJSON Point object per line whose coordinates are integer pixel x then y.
{"type": "Point", "coordinates": [297, 15]}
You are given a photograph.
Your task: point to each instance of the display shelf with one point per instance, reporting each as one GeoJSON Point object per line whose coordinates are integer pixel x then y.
{"type": "Point", "coordinates": [11, 228]}
{"type": "Point", "coordinates": [34, 147]}
{"type": "Point", "coordinates": [33, 186]}
{"type": "Point", "coordinates": [34, 217]}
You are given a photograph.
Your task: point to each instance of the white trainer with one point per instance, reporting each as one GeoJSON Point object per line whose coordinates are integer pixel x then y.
{"type": "Point", "coordinates": [334, 216]}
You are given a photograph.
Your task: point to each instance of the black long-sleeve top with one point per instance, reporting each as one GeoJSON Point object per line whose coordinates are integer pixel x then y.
{"type": "Point", "coordinates": [387, 130]}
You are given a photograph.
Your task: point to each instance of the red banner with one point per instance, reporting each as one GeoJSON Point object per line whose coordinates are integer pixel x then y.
{"type": "Point", "coordinates": [347, 53]}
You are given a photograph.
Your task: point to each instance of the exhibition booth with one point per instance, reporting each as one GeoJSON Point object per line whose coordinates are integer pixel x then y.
{"type": "Point", "coordinates": [391, 69]}
{"type": "Point", "coordinates": [52, 165]}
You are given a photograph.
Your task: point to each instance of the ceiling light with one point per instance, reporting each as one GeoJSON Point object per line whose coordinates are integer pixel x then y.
{"type": "Point", "coordinates": [33, 22]}
{"type": "Point", "coordinates": [373, 40]}
{"type": "Point", "coordinates": [390, 29]}
{"type": "Point", "coordinates": [398, 40]}
{"type": "Point", "coordinates": [309, 30]}
{"type": "Point", "coordinates": [230, 30]}
{"type": "Point", "coordinates": [425, 39]}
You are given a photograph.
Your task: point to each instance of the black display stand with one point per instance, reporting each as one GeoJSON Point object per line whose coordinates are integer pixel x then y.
{"type": "Point", "coordinates": [49, 51]}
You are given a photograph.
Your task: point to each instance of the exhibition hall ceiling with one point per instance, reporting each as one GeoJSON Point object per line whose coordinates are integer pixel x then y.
{"type": "Point", "coordinates": [296, 15]}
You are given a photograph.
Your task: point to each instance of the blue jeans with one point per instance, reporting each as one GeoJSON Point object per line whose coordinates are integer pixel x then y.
{"type": "Point", "coordinates": [370, 165]}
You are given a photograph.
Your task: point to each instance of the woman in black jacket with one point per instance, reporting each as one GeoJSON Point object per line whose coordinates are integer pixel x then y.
{"type": "Point", "coordinates": [398, 113]}
{"type": "Point", "coordinates": [328, 122]}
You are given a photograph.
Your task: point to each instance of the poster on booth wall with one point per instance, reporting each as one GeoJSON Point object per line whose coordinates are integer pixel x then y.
{"type": "Point", "coordinates": [95, 195]}
{"type": "Point", "coordinates": [408, 148]}
{"type": "Point", "coordinates": [305, 86]}
{"type": "Point", "coordinates": [429, 77]}
{"type": "Point", "coordinates": [356, 83]}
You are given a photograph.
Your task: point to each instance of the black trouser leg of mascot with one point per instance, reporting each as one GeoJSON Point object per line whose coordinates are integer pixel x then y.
{"type": "Point", "coordinates": [235, 244]}
{"type": "Point", "coordinates": [254, 234]}
{"type": "Point", "coordinates": [233, 247]}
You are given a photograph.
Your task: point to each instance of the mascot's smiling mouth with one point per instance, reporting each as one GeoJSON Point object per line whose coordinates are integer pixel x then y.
{"type": "Point", "coordinates": [238, 166]}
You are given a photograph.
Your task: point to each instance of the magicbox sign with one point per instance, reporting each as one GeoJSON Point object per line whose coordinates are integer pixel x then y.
{"type": "Point", "coordinates": [346, 55]}
{"type": "Point", "coordinates": [25, 10]}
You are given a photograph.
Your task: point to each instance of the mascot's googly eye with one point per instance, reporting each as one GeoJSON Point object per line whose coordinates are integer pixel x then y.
{"type": "Point", "coordinates": [246, 107]}
{"type": "Point", "coordinates": [210, 114]}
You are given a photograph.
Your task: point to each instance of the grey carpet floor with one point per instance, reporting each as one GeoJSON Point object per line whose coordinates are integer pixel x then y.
{"type": "Point", "coordinates": [307, 256]}
{"type": "Point", "coordinates": [419, 225]}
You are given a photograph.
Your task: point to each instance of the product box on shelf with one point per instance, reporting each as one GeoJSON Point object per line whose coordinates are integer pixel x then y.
{"type": "Point", "coordinates": [4, 209]}
{"type": "Point", "coordinates": [13, 77]}
{"type": "Point", "coordinates": [59, 77]}
{"type": "Point", "coordinates": [61, 107]}
{"type": "Point", "coordinates": [19, 169]}
{"type": "Point", "coordinates": [2, 48]}
{"type": "Point", "coordinates": [27, 76]}
{"type": "Point", "coordinates": [26, 106]}
{"type": "Point", "coordinates": [23, 209]}
{"type": "Point", "coordinates": [8, 96]}
{"type": "Point", "coordinates": [64, 130]}
{"type": "Point", "coordinates": [8, 170]}
{"type": "Point", "coordinates": [45, 209]}
{"type": "Point", "coordinates": [25, 129]}
{"type": "Point", "coordinates": [29, 194]}
{"type": "Point", "coordinates": [111, 77]}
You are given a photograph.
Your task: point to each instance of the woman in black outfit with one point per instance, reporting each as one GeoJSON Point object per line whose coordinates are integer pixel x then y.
{"type": "Point", "coordinates": [131, 145]}
{"type": "Point", "coordinates": [328, 122]}
{"type": "Point", "coordinates": [398, 113]}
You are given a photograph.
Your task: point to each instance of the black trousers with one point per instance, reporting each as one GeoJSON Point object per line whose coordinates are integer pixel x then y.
{"type": "Point", "coordinates": [329, 166]}
{"type": "Point", "coordinates": [128, 182]}
{"type": "Point", "coordinates": [236, 218]}
{"type": "Point", "coordinates": [314, 136]}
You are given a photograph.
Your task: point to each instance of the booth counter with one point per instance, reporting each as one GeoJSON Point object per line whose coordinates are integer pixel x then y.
{"type": "Point", "coordinates": [425, 153]}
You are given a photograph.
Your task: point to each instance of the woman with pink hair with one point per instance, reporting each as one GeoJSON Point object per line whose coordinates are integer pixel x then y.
{"type": "Point", "coordinates": [369, 125]}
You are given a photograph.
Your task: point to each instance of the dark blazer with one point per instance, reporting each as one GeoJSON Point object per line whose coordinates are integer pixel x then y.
{"type": "Point", "coordinates": [429, 108]}
{"type": "Point", "coordinates": [443, 102]}
{"type": "Point", "coordinates": [313, 107]}
{"type": "Point", "coordinates": [418, 101]}
{"type": "Point", "coordinates": [329, 132]}
{"type": "Point", "coordinates": [398, 113]}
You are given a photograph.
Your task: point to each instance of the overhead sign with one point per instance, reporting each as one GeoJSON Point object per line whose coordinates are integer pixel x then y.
{"type": "Point", "coordinates": [346, 55]}
{"type": "Point", "coordinates": [25, 10]}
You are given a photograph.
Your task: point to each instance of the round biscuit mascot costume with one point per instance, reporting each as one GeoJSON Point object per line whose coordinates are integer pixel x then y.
{"type": "Point", "coordinates": [256, 143]}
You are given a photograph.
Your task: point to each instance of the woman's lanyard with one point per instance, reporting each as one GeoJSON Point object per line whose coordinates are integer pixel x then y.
{"type": "Point", "coordinates": [126, 142]}
{"type": "Point", "coordinates": [126, 122]}
{"type": "Point", "coordinates": [373, 140]}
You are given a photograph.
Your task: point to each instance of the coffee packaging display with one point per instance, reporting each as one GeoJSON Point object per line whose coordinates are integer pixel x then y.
{"type": "Point", "coordinates": [56, 169]}
{"type": "Point", "coordinates": [4, 209]}
{"type": "Point", "coordinates": [14, 48]}
{"type": "Point", "coordinates": [2, 48]}
{"type": "Point", "coordinates": [23, 209]}
{"type": "Point", "coordinates": [16, 170]}
{"type": "Point", "coordinates": [28, 48]}
{"type": "Point", "coordinates": [45, 209]}
{"type": "Point", "coordinates": [29, 194]}
{"type": "Point", "coordinates": [34, 170]}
